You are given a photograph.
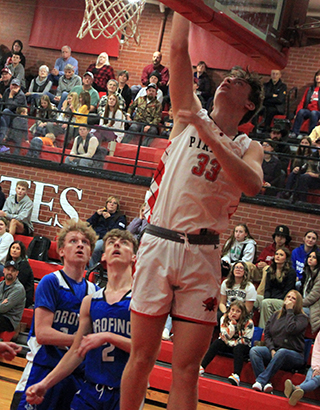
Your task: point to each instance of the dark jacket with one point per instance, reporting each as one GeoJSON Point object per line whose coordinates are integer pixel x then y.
{"type": "Point", "coordinates": [280, 89]}
{"type": "Point", "coordinates": [278, 290]}
{"type": "Point", "coordinates": [102, 225]}
{"type": "Point", "coordinates": [18, 100]}
{"type": "Point", "coordinates": [26, 278]}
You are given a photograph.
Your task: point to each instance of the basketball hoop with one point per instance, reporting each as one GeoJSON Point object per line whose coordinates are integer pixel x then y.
{"type": "Point", "coordinates": [112, 18]}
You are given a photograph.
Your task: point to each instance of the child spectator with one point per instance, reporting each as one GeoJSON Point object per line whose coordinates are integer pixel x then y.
{"type": "Point", "coordinates": [17, 68]}
{"type": "Point", "coordinates": [47, 111]}
{"type": "Point", "coordinates": [48, 139]}
{"type": "Point", "coordinates": [18, 209]}
{"type": "Point", "coordinates": [312, 380]}
{"type": "Point", "coordinates": [240, 246]}
{"type": "Point", "coordinates": [300, 254]}
{"type": "Point", "coordinates": [138, 225]}
{"type": "Point", "coordinates": [18, 130]}
{"type": "Point", "coordinates": [83, 108]}
{"type": "Point", "coordinates": [235, 337]}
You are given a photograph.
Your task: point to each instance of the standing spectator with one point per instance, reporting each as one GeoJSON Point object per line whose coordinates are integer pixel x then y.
{"type": "Point", "coordinates": [5, 81]}
{"type": "Point", "coordinates": [18, 253]}
{"type": "Point", "coordinates": [300, 254]}
{"type": "Point", "coordinates": [102, 72]}
{"type": "Point", "coordinates": [236, 332]}
{"type": "Point", "coordinates": [156, 66]}
{"type": "Point", "coordinates": [275, 92]}
{"type": "Point", "coordinates": [204, 82]}
{"type": "Point", "coordinates": [309, 107]}
{"type": "Point", "coordinates": [18, 130]}
{"type": "Point", "coordinates": [6, 240]}
{"type": "Point", "coordinates": [124, 89]}
{"type": "Point", "coordinates": [284, 343]}
{"type": "Point", "coordinates": [56, 317]}
{"type": "Point", "coordinates": [12, 298]}
{"type": "Point", "coordinates": [38, 87]}
{"type": "Point", "coordinates": [87, 81]}
{"type": "Point", "coordinates": [147, 116]}
{"type": "Point", "coordinates": [17, 47]}
{"type": "Point", "coordinates": [60, 64]}
{"type": "Point", "coordinates": [17, 69]}
{"type": "Point", "coordinates": [18, 209]}
{"type": "Point", "coordinates": [312, 380]}
{"type": "Point", "coordinates": [272, 172]}
{"type": "Point", "coordinates": [104, 220]}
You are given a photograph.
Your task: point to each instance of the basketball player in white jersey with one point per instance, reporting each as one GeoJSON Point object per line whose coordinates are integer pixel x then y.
{"type": "Point", "coordinates": [196, 189]}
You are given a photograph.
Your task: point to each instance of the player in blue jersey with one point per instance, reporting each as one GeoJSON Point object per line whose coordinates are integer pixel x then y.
{"type": "Point", "coordinates": [56, 318]}
{"type": "Point", "coordinates": [103, 335]}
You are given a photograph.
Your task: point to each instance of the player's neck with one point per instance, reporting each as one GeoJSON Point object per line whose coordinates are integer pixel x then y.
{"type": "Point", "coordinates": [119, 278]}
{"type": "Point", "coordinates": [74, 271]}
{"type": "Point", "coordinates": [227, 122]}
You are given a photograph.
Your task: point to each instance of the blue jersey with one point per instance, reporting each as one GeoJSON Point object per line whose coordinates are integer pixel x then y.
{"type": "Point", "coordinates": [61, 295]}
{"type": "Point", "coordinates": [105, 364]}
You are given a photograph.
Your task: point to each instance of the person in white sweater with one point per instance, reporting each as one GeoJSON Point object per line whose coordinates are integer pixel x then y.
{"type": "Point", "coordinates": [6, 240]}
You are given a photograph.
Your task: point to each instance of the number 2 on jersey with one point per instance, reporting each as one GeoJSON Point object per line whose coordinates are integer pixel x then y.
{"type": "Point", "coordinates": [201, 168]}
{"type": "Point", "coordinates": [106, 357]}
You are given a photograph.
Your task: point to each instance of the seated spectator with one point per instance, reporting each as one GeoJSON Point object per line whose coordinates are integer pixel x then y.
{"type": "Point", "coordinates": [168, 124]}
{"type": "Point", "coordinates": [85, 149]}
{"type": "Point", "coordinates": [237, 286]}
{"type": "Point", "coordinates": [156, 66]}
{"type": "Point", "coordinates": [12, 99]}
{"type": "Point", "coordinates": [281, 146]}
{"type": "Point", "coordinates": [111, 116]}
{"type": "Point", "coordinates": [124, 89]}
{"type": "Point", "coordinates": [273, 178]}
{"type": "Point", "coordinates": [274, 103]}
{"type": "Point", "coordinates": [69, 107]}
{"type": "Point", "coordinates": [314, 136]}
{"type": "Point", "coordinates": [310, 290]}
{"type": "Point", "coordinates": [48, 139]}
{"type": "Point", "coordinates": [102, 72]}
{"type": "Point", "coordinates": [38, 87]}
{"type": "Point", "coordinates": [204, 82]}
{"type": "Point", "coordinates": [299, 255]}
{"type": "Point", "coordinates": [281, 237]}
{"type": "Point", "coordinates": [87, 81]}
{"type": "Point", "coordinates": [18, 254]}
{"type": "Point", "coordinates": [138, 225]}
{"type": "Point", "coordinates": [112, 89]}
{"type": "Point", "coordinates": [104, 220]}
{"type": "Point", "coordinates": [83, 108]}
{"type": "Point", "coordinates": [60, 64]}
{"type": "Point", "coordinates": [2, 198]}
{"type": "Point", "coordinates": [17, 47]}
{"type": "Point", "coordinates": [277, 280]}
{"type": "Point", "coordinates": [240, 246]}
{"type": "Point", "coordinates": [312, 380]}
{"type": "Point", "coordinates": [298, 166]}
{"type": "Point", "coordinates": [154, 78]}
{"type": "Point", "coordinates": [236, 332]}
{"type": "Point", "coordinates": [18, 130]}
{"type": "Point", "coordinates": [309, 107]}
{"type": "Point", "coordinates": [66, 82]}
{"type": "Point", "coordinates": [147, 117]}
{"type": "Point", "coordinates": [6, 240]}
{"type": "Point", "coordinates": [46, 111]}
{"type": "Point", "coordinates": [5, 80]}
{"type": "Point", "coordinates": [18, 209]}
{"type": "Point", "coordinates": [12, 298]}
{"type": "Point", "coordinates": [284, 343]}
{"type": "Point", "coordinates": [17, 69]}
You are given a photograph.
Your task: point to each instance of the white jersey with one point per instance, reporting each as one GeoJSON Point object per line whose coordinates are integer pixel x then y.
{"type": "Point", "coordinates": [190, 190]}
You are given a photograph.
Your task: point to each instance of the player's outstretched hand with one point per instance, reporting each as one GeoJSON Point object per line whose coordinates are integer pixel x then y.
{"type": "Point", "coordinates": [91, 341]}
{"type": "Point", "coordinates": [9, 350]}
{"type": "Point", "coordinates": [35, 394]}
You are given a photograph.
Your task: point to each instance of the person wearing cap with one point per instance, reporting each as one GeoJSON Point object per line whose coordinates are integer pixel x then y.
{"type": "Point", "coordinates": [5, 80]}
{"type": "Point", "coordinates": [162, 70]}
{"type": "Point", "coordinates": [17, 68]}
{"type": "Point", "coordinates": [61, 63]}
{"type": "Point", "coordinates": [12, 298]}
{"type": "Point", "coordinates": [281, 147]}
{"type": "Point", "coordinates": [12, 98]}
{"type": "Point", "coordinates": [147, 117]}
{"type": "Point", "coordinates": [87, 81]}
{"type": "Point", "coordinates": [155, 79]}
{"type": "Point", "coordinates": [308, 108]}
{"type": "Point", "coordinates": [102, 72]}
{"type": "Point", "coordinates": [273, 177]}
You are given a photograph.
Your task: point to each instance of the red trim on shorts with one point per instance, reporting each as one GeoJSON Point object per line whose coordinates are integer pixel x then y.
{"type": "Point", "coordinates": [200, 322]}
{"type": "Point", "coordinates": [145, 314]}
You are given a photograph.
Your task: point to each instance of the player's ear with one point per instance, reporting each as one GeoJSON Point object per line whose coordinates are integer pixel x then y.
{"type": "Point", "coordinates": [250, 105]}
{"type": "Point", "coordinates": [103, 257]}
{"type": "Point", "coordinates": [134, 258]}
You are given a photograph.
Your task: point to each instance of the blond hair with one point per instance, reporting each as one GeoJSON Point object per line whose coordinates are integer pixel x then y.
{"type": "Point", "coordinates": [77, 226]}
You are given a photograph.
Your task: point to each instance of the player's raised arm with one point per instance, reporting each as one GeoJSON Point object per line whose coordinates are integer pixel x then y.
{"type": "Point", "coordinates": [181, 76]}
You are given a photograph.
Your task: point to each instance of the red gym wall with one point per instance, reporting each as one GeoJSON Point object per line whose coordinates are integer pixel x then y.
{"type": "Point", "coordinates": [261, 220]}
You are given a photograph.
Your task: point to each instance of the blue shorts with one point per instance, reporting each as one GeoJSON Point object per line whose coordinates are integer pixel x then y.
{"type": "Point", "coordinates": [96, 397]}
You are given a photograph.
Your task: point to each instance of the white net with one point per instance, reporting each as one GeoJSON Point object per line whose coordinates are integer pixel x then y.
{"type": "Point", "coordinates": [112, 18]}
